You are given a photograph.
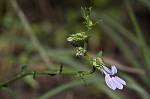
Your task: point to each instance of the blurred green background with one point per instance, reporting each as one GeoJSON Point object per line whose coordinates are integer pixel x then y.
{"type": "Point", "coordinates": [34, 32]}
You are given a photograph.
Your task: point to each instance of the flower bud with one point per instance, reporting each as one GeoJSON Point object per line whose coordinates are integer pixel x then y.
{"type": "Point", "coordinates": [78, 39]}
{"type": "Point", "coordinates": [80, 51]}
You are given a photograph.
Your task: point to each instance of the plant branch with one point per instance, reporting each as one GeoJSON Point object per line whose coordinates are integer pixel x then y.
{"type": "Point", "coordinates": [51, 73]}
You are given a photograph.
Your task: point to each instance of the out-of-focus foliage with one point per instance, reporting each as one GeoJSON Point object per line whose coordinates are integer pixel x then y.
{"type": "Point", "coordinates": [52, 21]}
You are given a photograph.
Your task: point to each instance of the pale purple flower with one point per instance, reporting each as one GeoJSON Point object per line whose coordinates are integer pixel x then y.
{"type": "Point", "coordinates": [111, 79]}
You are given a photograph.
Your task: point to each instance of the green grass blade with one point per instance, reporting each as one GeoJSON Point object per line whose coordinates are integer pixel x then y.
{"type": "Point", "coordinates": [138, 31]}
{"type": "Point", "coordinates": [60, 89]}
{"type": "Point", "coordinates": [118, 26]}
{"type": "Point", "coordinates": [131, 83]}
{"type": "Point", "coordinates": [122, 45]}
{"type": "Point", "coordinates": [146, 3]}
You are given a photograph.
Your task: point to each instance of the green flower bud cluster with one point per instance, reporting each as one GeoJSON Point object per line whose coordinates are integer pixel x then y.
{"type": "Point", "coordinates": [78, 40]}
{"type": "Point", "coordinates": [81, 36]}
{"type": "Point", "coordinates": [98, 62]}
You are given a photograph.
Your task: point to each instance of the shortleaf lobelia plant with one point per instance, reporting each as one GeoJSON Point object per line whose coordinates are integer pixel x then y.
{"type": "Point", "coordinates": [79, 40]}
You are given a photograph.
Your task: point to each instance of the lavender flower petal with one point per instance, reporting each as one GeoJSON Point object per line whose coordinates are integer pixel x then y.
{"type": "Point", "coordinates": [106, 70]}
{"type": "Point", "coordinates": [109, 82]}
{"type": "Point", "coordinates": [118, 84]}
{"type": "Point", "coordinates": [111, 79]}
{"type": "Point", "coordinates": [120, 80]}
{"type": "Point", "coordinates": [113, 69]}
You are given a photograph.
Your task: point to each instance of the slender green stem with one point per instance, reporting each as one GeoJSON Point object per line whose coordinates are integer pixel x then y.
{"type": "Point", "coordinates": [54, 72]}
{"type": "Point", "coordinates": [88, 58]}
